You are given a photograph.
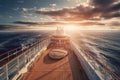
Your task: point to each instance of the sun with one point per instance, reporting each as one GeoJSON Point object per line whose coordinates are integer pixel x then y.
{"type": "Point", "coordinates": [70, 28]}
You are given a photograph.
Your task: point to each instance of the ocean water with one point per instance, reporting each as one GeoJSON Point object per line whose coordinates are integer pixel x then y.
{"type": "Point", "coordinates": [12, 39]}
{"type": "Point", "coordinates": [102, 43]}
{"type": "Point", "coordinates": [105, 44]}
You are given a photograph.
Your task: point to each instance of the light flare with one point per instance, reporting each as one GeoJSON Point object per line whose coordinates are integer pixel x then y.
{"type": "Point", "coordinates": [70, 28]}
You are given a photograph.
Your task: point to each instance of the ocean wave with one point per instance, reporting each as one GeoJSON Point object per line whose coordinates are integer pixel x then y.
{"type": "Point", "coordinates": [106, 46]}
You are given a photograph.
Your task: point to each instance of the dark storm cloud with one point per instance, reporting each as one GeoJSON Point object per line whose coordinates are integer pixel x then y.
{"type": "Point", "coordinates": [91, 23]}
{"type": "Point", "coordinates": [25, 22]}
{"type": "Point", "coordinates": [102, 3]}
{"type": "Point", "coordinates": [96, 10]}
{"type": "Point", "coordinates": [11, 27]}
{"type": "Point", "coordinates": [70, 14]}
{"type": "Point", "coordinates": [114, 23]}
{"type": "Point", "coordinates": [87, 23]}
{"type": "Point", "coordinates": [37, 23]}
{"type": "Point", "coordinates": [107, 8]}
{"type": "Point", "coordinates": [115, 7]}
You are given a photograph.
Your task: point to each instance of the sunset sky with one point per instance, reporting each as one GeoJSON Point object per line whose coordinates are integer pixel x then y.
{"type": "Point", "coordinates": [83, 14]}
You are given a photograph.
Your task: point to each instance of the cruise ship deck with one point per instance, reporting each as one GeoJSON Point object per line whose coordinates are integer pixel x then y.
{"type": "Point", "coordinates": [46, 68]}
{"type": "Point", "coordinates": [55, 58]}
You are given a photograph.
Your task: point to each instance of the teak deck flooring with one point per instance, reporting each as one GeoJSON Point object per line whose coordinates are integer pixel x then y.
{"type": "Point", "coordinates": [46, 68]}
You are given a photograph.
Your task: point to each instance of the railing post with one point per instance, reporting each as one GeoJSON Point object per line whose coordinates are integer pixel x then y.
{"type": "Point", "coordinates": [8, 56]}
{"type": "Point", "coordinates": [29, 55]}
{"type": "Point", "coordinates": [6, 71]}
{"type": "Point", "coordinates": [18, 65]}
{"type": "Point", "coordinates": [39, 45]}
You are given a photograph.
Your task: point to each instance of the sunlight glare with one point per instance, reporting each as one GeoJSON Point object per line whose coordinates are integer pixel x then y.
{"type": "Point", "coordinates": [70, 28]}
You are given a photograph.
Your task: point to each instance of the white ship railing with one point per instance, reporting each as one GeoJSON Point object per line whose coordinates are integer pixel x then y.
{"type": "Point", "coordinates": [17, 59]}
{"type": "Point", "coordinates": [94, 68]}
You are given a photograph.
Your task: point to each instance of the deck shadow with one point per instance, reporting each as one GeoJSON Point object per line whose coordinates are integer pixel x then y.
{"type": "Point", "coordinates": [78, 72]}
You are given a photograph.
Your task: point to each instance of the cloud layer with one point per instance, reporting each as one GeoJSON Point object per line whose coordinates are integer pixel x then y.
{"type": "Point", "coordinates": [96, 10]}
{"type": "Point", "coordinates": [95, 13]}
{"type": "Point", "coordinates": [87, 23]}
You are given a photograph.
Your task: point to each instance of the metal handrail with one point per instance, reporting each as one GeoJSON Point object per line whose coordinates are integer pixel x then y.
{"type": "Point", "coordinates": [105, 67]}
{"type": "Point", "coordinates": [17, 48]}
{"type": "Point", "coordinates": [113, 74]}
{"type": "Point", "coordinates": [32, 45]}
